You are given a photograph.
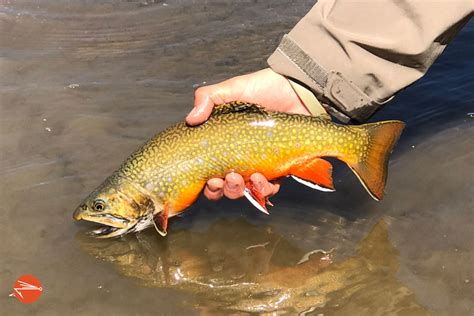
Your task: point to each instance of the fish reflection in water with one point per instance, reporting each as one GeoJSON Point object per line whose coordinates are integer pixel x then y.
{"type": "Point", "coordinates": [237, 267]}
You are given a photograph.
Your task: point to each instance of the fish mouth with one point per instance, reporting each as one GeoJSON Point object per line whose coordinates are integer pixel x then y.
{"type": "Point", "coordinates": [110, 225]}
{"type": "Point", "coordinates": [108, 231]}
{"type": "Point", "coordinates": [105, 231]}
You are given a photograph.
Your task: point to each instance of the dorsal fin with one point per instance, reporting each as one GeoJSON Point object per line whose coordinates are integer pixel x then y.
{"type": "Point", "coordinates": [237, 106]}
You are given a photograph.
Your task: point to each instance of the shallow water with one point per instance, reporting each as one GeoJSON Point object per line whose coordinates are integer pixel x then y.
{"type": "Point", "coordinates": [85, 82]}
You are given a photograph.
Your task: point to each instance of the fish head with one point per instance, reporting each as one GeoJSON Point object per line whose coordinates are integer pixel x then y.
{"type": "Point", "coordinates": [120, 208]}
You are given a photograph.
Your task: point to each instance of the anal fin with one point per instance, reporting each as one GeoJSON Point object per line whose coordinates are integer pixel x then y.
{"type": "Point", "coordinates": [312, 185]}
{"type": "Point", "coordinates": [315, 173]}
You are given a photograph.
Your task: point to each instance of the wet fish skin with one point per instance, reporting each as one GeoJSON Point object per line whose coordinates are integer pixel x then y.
{"type": "Point", "coordinates": [166, 174]}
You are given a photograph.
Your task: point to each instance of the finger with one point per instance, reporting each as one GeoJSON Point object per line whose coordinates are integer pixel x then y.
{"type": "Point", "coordinates": [204, 100]}
{"type": "Point", "coordinates": [200, 113]}
{"type": "Point", "coordinates": [261, 184]}
{"type": "Point", "coordinates": [213, 196]}
{"type": "Point", "coordinates": [215, 184]}
{"type": "Point", "coordinates": [214, 189]}
{"type": "Point", "coordinates": [234, 186]}
{"type": "Point", "coordinates": [275, 188]}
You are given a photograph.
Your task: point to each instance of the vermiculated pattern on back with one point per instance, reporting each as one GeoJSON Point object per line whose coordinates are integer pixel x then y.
{"type": "Point", "coordinates": [238, 137]}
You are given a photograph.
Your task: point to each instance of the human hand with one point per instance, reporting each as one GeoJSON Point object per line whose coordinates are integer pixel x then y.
{"type": "Point", "coordinates": [266, 88]}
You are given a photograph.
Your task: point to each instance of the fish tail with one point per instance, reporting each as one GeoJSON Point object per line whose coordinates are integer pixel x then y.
{"type": "Point", "coordinates": [371, 165]}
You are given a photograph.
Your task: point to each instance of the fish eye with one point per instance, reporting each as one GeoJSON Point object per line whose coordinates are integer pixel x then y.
{"type": "Point", "coordinates": [99, 205]}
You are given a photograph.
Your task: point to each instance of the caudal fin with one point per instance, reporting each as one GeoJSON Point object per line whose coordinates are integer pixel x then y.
{"type": "Point", "coordinates": [371, 167]}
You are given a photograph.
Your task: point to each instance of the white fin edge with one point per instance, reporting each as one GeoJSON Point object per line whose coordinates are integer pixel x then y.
{"type": "Point", "coordinates": [364, 185]}
{"type": "Point", "coordinates": [312, 185]}
{"type": "Point", "coordinates": [254, 202]}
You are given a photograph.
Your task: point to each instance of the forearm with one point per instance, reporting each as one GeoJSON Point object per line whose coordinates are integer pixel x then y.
{"type": "Point", "coordinates": [356, 55]}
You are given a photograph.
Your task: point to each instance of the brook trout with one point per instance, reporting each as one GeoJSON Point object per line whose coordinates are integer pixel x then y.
{"type": "Point", "coordinates": [167, 174]}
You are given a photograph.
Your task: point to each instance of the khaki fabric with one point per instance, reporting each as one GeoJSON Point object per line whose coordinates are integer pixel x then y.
{"type": "Point", "coordinates": [356, 55]}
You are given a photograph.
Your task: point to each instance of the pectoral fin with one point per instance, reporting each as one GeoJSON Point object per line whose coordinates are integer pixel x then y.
{"type": "Point", "coordinates": [316, 174]}
{"type": "Point", "coordinates": [160, 220]}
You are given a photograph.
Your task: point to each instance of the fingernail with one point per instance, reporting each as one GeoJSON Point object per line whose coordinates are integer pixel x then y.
{"type": "Point", "coordinates": [193, 112]}
{"type": "Point", "coordinates": [232, 186]}
{"type": "Point", "coordinates": [213, 189]}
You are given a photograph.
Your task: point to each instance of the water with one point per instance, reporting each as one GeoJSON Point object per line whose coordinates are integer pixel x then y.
{"type": "Point", "coordinates": [85, 82]}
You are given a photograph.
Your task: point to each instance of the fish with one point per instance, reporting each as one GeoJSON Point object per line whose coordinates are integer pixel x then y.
{"type": "Point", "coordinates": [167, 174]}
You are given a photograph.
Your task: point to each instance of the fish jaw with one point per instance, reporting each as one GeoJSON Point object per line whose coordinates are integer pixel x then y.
{"type": "Point", "coordinates": [110, 226]}
{"type": "Point", "coordinates": [108, 232]}
{"type": "Point", "coordinates": [108, 220]}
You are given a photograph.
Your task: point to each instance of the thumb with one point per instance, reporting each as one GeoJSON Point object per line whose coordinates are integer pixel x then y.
{"type": "Point", "coordinates": [204, 100]}
{"type": "Point", "coordinates": [201, 111]}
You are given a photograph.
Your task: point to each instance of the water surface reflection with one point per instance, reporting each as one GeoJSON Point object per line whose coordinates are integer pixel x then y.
{"type": "Point", "coordinates": [235, 266]}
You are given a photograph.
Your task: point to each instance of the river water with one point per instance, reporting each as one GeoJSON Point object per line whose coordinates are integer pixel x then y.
{"type": "Point", "coordinates": [84, 83]}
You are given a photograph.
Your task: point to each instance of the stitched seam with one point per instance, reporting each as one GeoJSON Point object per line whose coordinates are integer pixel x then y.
{"type": "Point", "coordinates": [315, 72]}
